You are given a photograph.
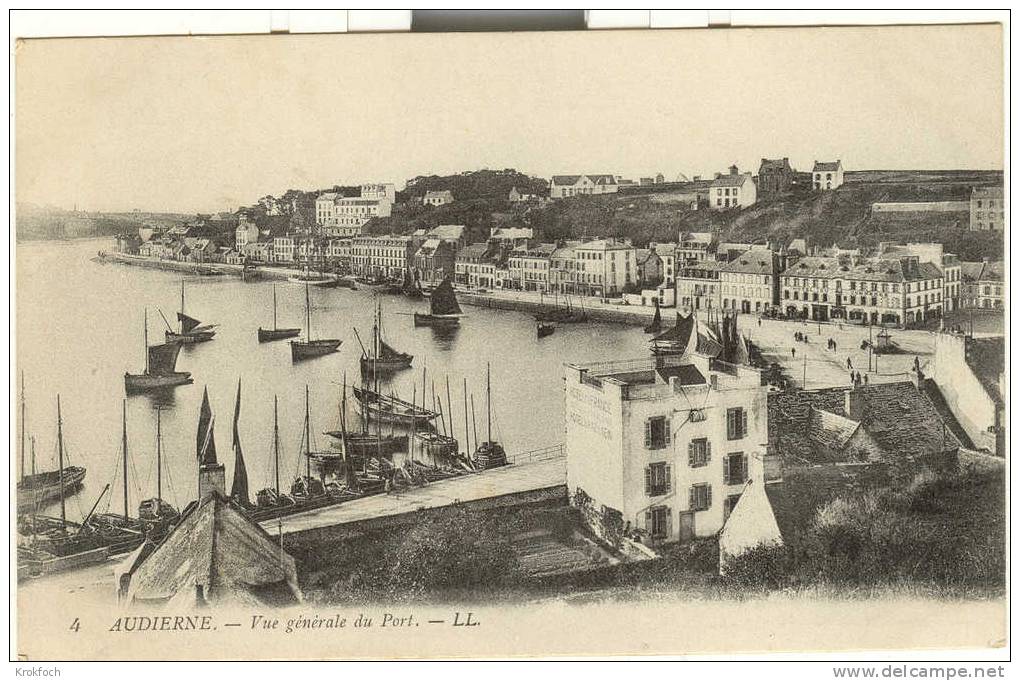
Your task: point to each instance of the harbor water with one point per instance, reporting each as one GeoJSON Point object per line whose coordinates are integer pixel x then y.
{"type": "Point", "coordinates": [80, 328]}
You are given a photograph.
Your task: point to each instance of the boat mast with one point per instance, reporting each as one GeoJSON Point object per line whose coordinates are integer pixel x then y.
{"type": "Point", "coordinates": [60, 464]}
{"type": "Point", "coordinates": [488, 403]}
{"type": "Point", "coordinates": [308, 440]}
{"type": "Point", "coordinates": [375, 330]}
{"type": "Point", "coordinates": [22, 426]}
{"type": "Point", "coordinates": [33, 455]}
{"type": "Point", "coordinates": [467, 434]}
{"type": "Point", "coordinates": [125, 471]}
{"type": "Point", "coordinates": [308, 314]}
{"type": "Point", "coordinates": [276, 446]}
{"type": "Point", "coordinates": [474, 424]}
{"type": "Point", "coordinates": [159, 455]}
{"type": "Point", "coordinates": [274, 307]}
{"type": "Point", "coordinates": [449, 405]}
{"type": "Point", "coordinates": [182, 306]}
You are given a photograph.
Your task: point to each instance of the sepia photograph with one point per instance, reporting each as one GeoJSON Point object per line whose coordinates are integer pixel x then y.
{"type": "Point", "coordinates": [510, 345]}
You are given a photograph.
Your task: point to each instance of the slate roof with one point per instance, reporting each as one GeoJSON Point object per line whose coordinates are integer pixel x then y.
{"type": "Point", "coordinates": [665, 249]}
{"type": "Point", "coordinates": [327, 196]}
{"type": "Point", "coordinates": [981, 271]}
{"type": "Point", "coordinates": [685, 374]}
{"type": "Point", "coordinates": [903, 421]}
{"type": "Point", "coordinates": [731, 180]}
{"type": "Point", "coordinates": [773, 164]}
{"type": "Point", "coordinates": [473, 252]}
{"type": "Point", "coordinates": [753, 261]}
{"type": "Point", "coordinates": [826, 166]}
{"type": "Point", "coordinates": [829, 430]}
{"type": "Point", "coordinates": [697, 237]}
{"type": "Point", "coordinates": [448, 231]}
{"type": "Point", "coordinates": [571, 180]}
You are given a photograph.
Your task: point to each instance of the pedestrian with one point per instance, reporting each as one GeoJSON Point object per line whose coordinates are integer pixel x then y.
{"type": "Point", "coordinates": [759, 322]}
{"type": "Point", "coordinates": [849, 364]}
{"type": "Point", "coordinates": [865, 379]}
{"type": "Point", "coordinates": [834, 348]}
{"type": "Point", "coordinates": [793, 352]}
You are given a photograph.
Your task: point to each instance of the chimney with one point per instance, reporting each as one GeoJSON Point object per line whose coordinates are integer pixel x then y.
{"type": "Point", "coordinates": [733, 169]}
{"type": "Point", "coordinates": [718, 175]}
{"type": "Point", "coordinates": [852, 404]}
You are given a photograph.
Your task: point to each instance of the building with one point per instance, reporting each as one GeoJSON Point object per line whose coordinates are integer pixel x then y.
{"type": "Point", "coordinates": [344, 216]}
{"type": "Point", "coordinates": [982, 285]}
{"type": "Point", "coordinates": [511, 237]}
{"type": "Point", "coordinates": [734, 190]}
{"type": "Point", "coordinates": [435, 259]}
{"type": "Point", "coordinates": [827, 175]}
{"type": "Point", "coordinates": [565, 186]}
{"type": "Point", "coordinates": [668, 255]}
{"type": "Point", "coordinates": [970, 376]}
{"type": "Point", "coordinates": [750, 282]}
{"type": "Point", "coordinates": [603, 267]}
{"type": "Point", "coordinates": [900, 291]}
{"type": "Point", "coordinates": [383, 256]}
{"type": "Point", "coordinates": [455, 234]}
{"type": "Point", "coordinates": [694, 246]}
{"type": "Point", "coordinates": [775, 176]}
{"type": "Point", "coordinates": [649, 267]}
{"type": "Point", "coordinates": [529, 267]}
{"type": "Point", "coordinates": [933, 253]}
{"type": "Point", "coordinates": [380, 191]}
{"type": "Point", "coordinates": [987, 209]}
{"type": "Point", "coordinates": [338, 252]}
{"type": "Point", "coordinates": [245, 233]}
{"type": "Point", "coordinates": [662, 448]}
{"type": "Point", "coordinates": [437, 198]}
{"type": "Point", "coordinates": [698, 286]}
{"type": "Point", "coordinates": [200, 249]}
{"type": "Point", "coordinates": [517, 196]}
{"type": "Point", "coordinates": [284, 250]}
{"type": "Point", "coordinates": [476, 266]}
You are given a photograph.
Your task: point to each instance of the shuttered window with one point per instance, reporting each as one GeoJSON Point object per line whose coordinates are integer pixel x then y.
{"type": "Point", "coordinates": [736, 423]}
{"type": "Point", "coordinates": [657, 432]}
{"type": "Point", "coordinates": [699, 452]}
{"type": "Point", "coordinates": [700, 497]}
{"type": "Point", "coordinates": [735, 468]}
{"type": "Point", "coordinates": [729, 504]}
{"type": "Point", "coordinates": [658, 479]}
{"type": "Point", "coordinates": [659, 522]}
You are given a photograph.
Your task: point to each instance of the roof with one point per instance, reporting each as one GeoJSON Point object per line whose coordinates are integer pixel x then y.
{"type": "Point", "coordinates": [327, 196]}
{"type": "Point", "coordinates": [642, 254]}
{"type": "Point", "coordinates": [768, 164]}
{"type": "Point", "coordinates": [982, 271]}
{"type": "Point", "coordinates": [602, 245]}
{"type": "Point", "coordinates": [697, 237]}
{"type": "Point", "coordinates": [218, 549]}
{"type": "Point", "coordinates": [570, 180]}
{"type": "Point", "coordinates": [829, 430]}
{"type": "Point", "coordinates": [992, 192]}
{"type": "Point", "coordinates": [752, 261]}
{"type": "Point", "coordinates": [731, 180]}
{"type": "Point", "coordinates": [665, 249]}
{"type": "Point", "coordinates": [826, 166]}
{"type": "Point", "coordinates": [512, 233]}
{"type": "Point", "coordinates": [701, 265]}
{"type": "Point", "coordinates": [987, 359]}
{"type": "Point", "coordinates": [439, 194]}
{"type": "Point", "coordinates": [448, 231]}
{"type": "Point", "coordinates": [473, 252]}
{"type": "Point", "coordinates": [685, 374]}
{"type": "Point", "coordinates": [902, 421]}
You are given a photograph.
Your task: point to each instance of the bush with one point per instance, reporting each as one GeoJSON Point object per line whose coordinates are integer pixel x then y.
{"type": "Point", "coordinates": [762, 568]}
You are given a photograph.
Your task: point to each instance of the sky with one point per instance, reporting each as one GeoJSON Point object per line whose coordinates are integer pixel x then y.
{"type": "Point", "coordinates": [212, 123]}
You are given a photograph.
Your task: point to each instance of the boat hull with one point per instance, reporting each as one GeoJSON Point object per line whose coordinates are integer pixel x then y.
{"type": "Point", "coordinates": [435, 320]}
{"type": "Point", "coordinates": [189, 338]}
{"type": "Point", "coordinates": [544, 330]}
{"type": "Point", "coordinates": [139, 383]}
{"type": "Point", "coordinates": [41, 488]}
{"type": "Point", "coordinates": [386, 409]}
{"type": "Point", "coordinates": [301, 350]}
{"type": "Point", "coordinates": [266, 335]}
{"type": "Point", "coordinates": [371, 366]}
{"type": "Point", "coordinates": [320, 282]}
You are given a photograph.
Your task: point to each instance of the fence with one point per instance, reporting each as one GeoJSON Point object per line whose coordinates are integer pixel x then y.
{"type": "Point", "coordinates": [543, 454]}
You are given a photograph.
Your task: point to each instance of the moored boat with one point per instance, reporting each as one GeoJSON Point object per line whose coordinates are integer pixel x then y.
{"type": "Point", "coordinates": [160, 367]}
{"type": "Point", "coordinates": [444, 310]}
{"type": "Point", "coordinates": [656, 325]}
{"type": "Point", "coordinates": [276, 333]}
{"type": "Point", "coordinates": [545, 329]}
{"type": "Point", "coordinates": [190, 330]}
{"type": "Point", "coordinates": [375, 405]}
{"type": "Point", "coordinates": [311, 348]}
{"type": "Point", "coordinates": [382, 358]}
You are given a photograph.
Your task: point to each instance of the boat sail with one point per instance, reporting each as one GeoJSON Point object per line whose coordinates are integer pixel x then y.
{"type": "Point", "coordinates": [383, 358]}
{"type": "Point", "coordinates": [276, 333]}
{"type": "Point", "coordinates": [311, 348]}
{"type": "Point", "coordinates": [160, 367]}
{"type": "Point", "coordinates": [444, 310]}
{"type": "Point", "coordinates": [36, 489]}
{"type": "Point", "coordinates": [679, 340]}
{"type": "Point", "coordinates": [191, 329]}
{"type": "Point", "coordinates": [239, 485]}
{"type": "Point", "coordinates": [656, 325]}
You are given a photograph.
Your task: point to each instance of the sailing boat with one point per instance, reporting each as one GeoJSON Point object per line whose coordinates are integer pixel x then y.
{"type": "Point", "coordinates": [35, 489]}
{"type": "Point", "coordinates": [311, 348]}
{"type": "Point", "coordinates": [276, 333]}
{"type": "Point", "coordinates": [160, 367]}
{"type": "Point", "coordinates": [270, 499]}
{"type": "Point", "coordinates": [306, 488]}
{"type": "Point", "coordinates": [191, 329]}
{"type": "Point", "coordinates": [350, 445]}
{"type": "Point", "coordinates": [239, 485]}
{"type": "Point", "coordinates": [489, 454]}
{"type": "Point", "coordinates": [157, 516]}
{"type": "Point", "coordinates": [383, 358]}
{"type": "Point", "coordinates": [680, 340]}
{"type": "Point", "coordinates": [412, 287]}
{"type": "Point", "coordinates": [656, 325]}
{"type": "Point", "coordinates": [444, 311]}
{"type": "Point", "coordinates": [319, 279]}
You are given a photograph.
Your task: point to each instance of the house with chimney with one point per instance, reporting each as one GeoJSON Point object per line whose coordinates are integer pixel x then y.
{"type": "Point", "coordinates": [775, 176]}
{"type": "Point", "coordinates": [732, 190]}
{"type": "Point", "coordinates": [826, 175]}
{"type": "Point", "coordinates": [566, 186]}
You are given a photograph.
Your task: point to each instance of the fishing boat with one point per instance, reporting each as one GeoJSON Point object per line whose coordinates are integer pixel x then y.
{"type": "Point", "coordinates": [34, 489]}
{"type": "Point", "coordinates": [656, 325]}
{"type": "Point", "coordinates": [444, 311]}
{"type": "Point", "coordinates": [545, 329]}
{"type": "Point", "coordinates": [270, 499]}
{"type": "Point", "coordinates": [239, 484]}
{"type": "Point", "coordinates": [564, 315]}
{"type": "Point", "coordinates": [679, 340]}
{"type": "Point", "coordinates": [489, 454]}
{"type": "Point", "coordinates": [311, 347]}
{"type": "Point", "coordinates": [276, 333]}
{"type": "Point", "coordinates": [372, 404]}
{"type": "Point", "coordinates": [160, 367]}
{"type": "Point", "coordinates": [373, 283]}
{"type": "Point", "coordinates": [412, 285]}
{"type": "Point", "coordinates": [250, 272]}
{"type": "Point", "coordinates": [190, 330]}
{"type": "Point", "coordinates": [381, 358]}
{"type": "Point", "coordinates": [318, 279]}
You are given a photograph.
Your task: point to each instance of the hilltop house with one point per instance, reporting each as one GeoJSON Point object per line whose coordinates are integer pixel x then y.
{"type": "Point", "coordinates": [987, 209]}
{"type": "Point", "coordinates": [438, 198]}
{"type": "Point", "coordinates": [565, 186]}
{"type": "Point", "coordinates": [827, 175]}
{"type": "Point", "coordinates": [775, 176]}
{"type": "Point", "coordinates": [732, 191]}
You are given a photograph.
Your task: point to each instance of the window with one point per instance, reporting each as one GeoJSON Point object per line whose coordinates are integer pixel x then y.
{"type": "Point", "coordinates": [736, 423]}
{"type": "Point", "coordinates": [658, 522]}
{"type": "Point", "coordinates": [658, 479]}
{"type": "Point", "coordinates": [729, 504]}
{"type": "Point", "coordinates": [656, 432]}
{"type": "Point", "coordinates": [735, 468]}
{"type": "Point", "coordinates": [700, 497]}
{"type": "Point", "coordinates": [699, 452]}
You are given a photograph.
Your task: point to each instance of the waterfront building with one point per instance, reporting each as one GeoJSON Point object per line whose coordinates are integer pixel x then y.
{"type": "Point", "coordinates": [338, 251]}
{"type": "Point", "coordinates": [438, 198]}
{"type": "Point", "coordinates": [529, 267]}
{"type": "Point", "coordinates": [435, 259]}
{"type": "Point", "coordinates": [662, 447]}
{"type": "Point", "coordinates": [565, 186]}
{"type": "Point", "coordinates": [775, 176]}
{"type": "Point", "coordinates": [733, 190]}
{"type": "Point", "coordinates": [876, 290]}
{"type": "Point", "coordinates": [694, 246]}
{"type": "Point", "coordinates": [697, 285]}
{"type": "Point", "coordinates": [750, 282]}
{"type": "Point", "coordinates": [561, 267]}
{"type": "Point", "coordinates": [987, 209]}
{"type": "Point", "coordinates": [284, 248]}
{"type": "Point", "coordinates": [827, 175]}
{"type": "Point", "coordinates": [933, 253]}
{"type": "Point", "coordinates": [383, 256]}
{"type": "Point", "coordinates": [603, 267]}
{"type": "Point", "coordinates": [511, 237]}
{"type": "Point", "coordinates": [245, 233]}
{"type": "Point", "coordinates": [982, 285]}
{"type": "Point", "coordinates": [475, 266]}
{"type": "Point", "coordinates": [649, 267]}
{"type": "Point", "coordinates": [668, 256]}
{"type": "Point", "coordinates": [200, 249]}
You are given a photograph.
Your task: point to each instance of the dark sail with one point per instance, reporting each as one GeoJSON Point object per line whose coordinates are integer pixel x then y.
{"type": "Point", "coordinates": [386, 352]}
{"type": "Point", "coordinates": [444, 300]}
{"type": "Point", "coordinates": [187, 323]}
{"type": "Point", "coordinates": [205, 445]}
{"type": "Point", "coordinates": [681, 333]}
{"type": "Point", "coordinates": [163, 358]}
{"type": "Point", "coordinates": [239, 487]}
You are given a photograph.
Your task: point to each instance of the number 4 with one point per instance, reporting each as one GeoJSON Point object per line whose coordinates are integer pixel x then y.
{"type": "Point", "coordinates": [76, 624]}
